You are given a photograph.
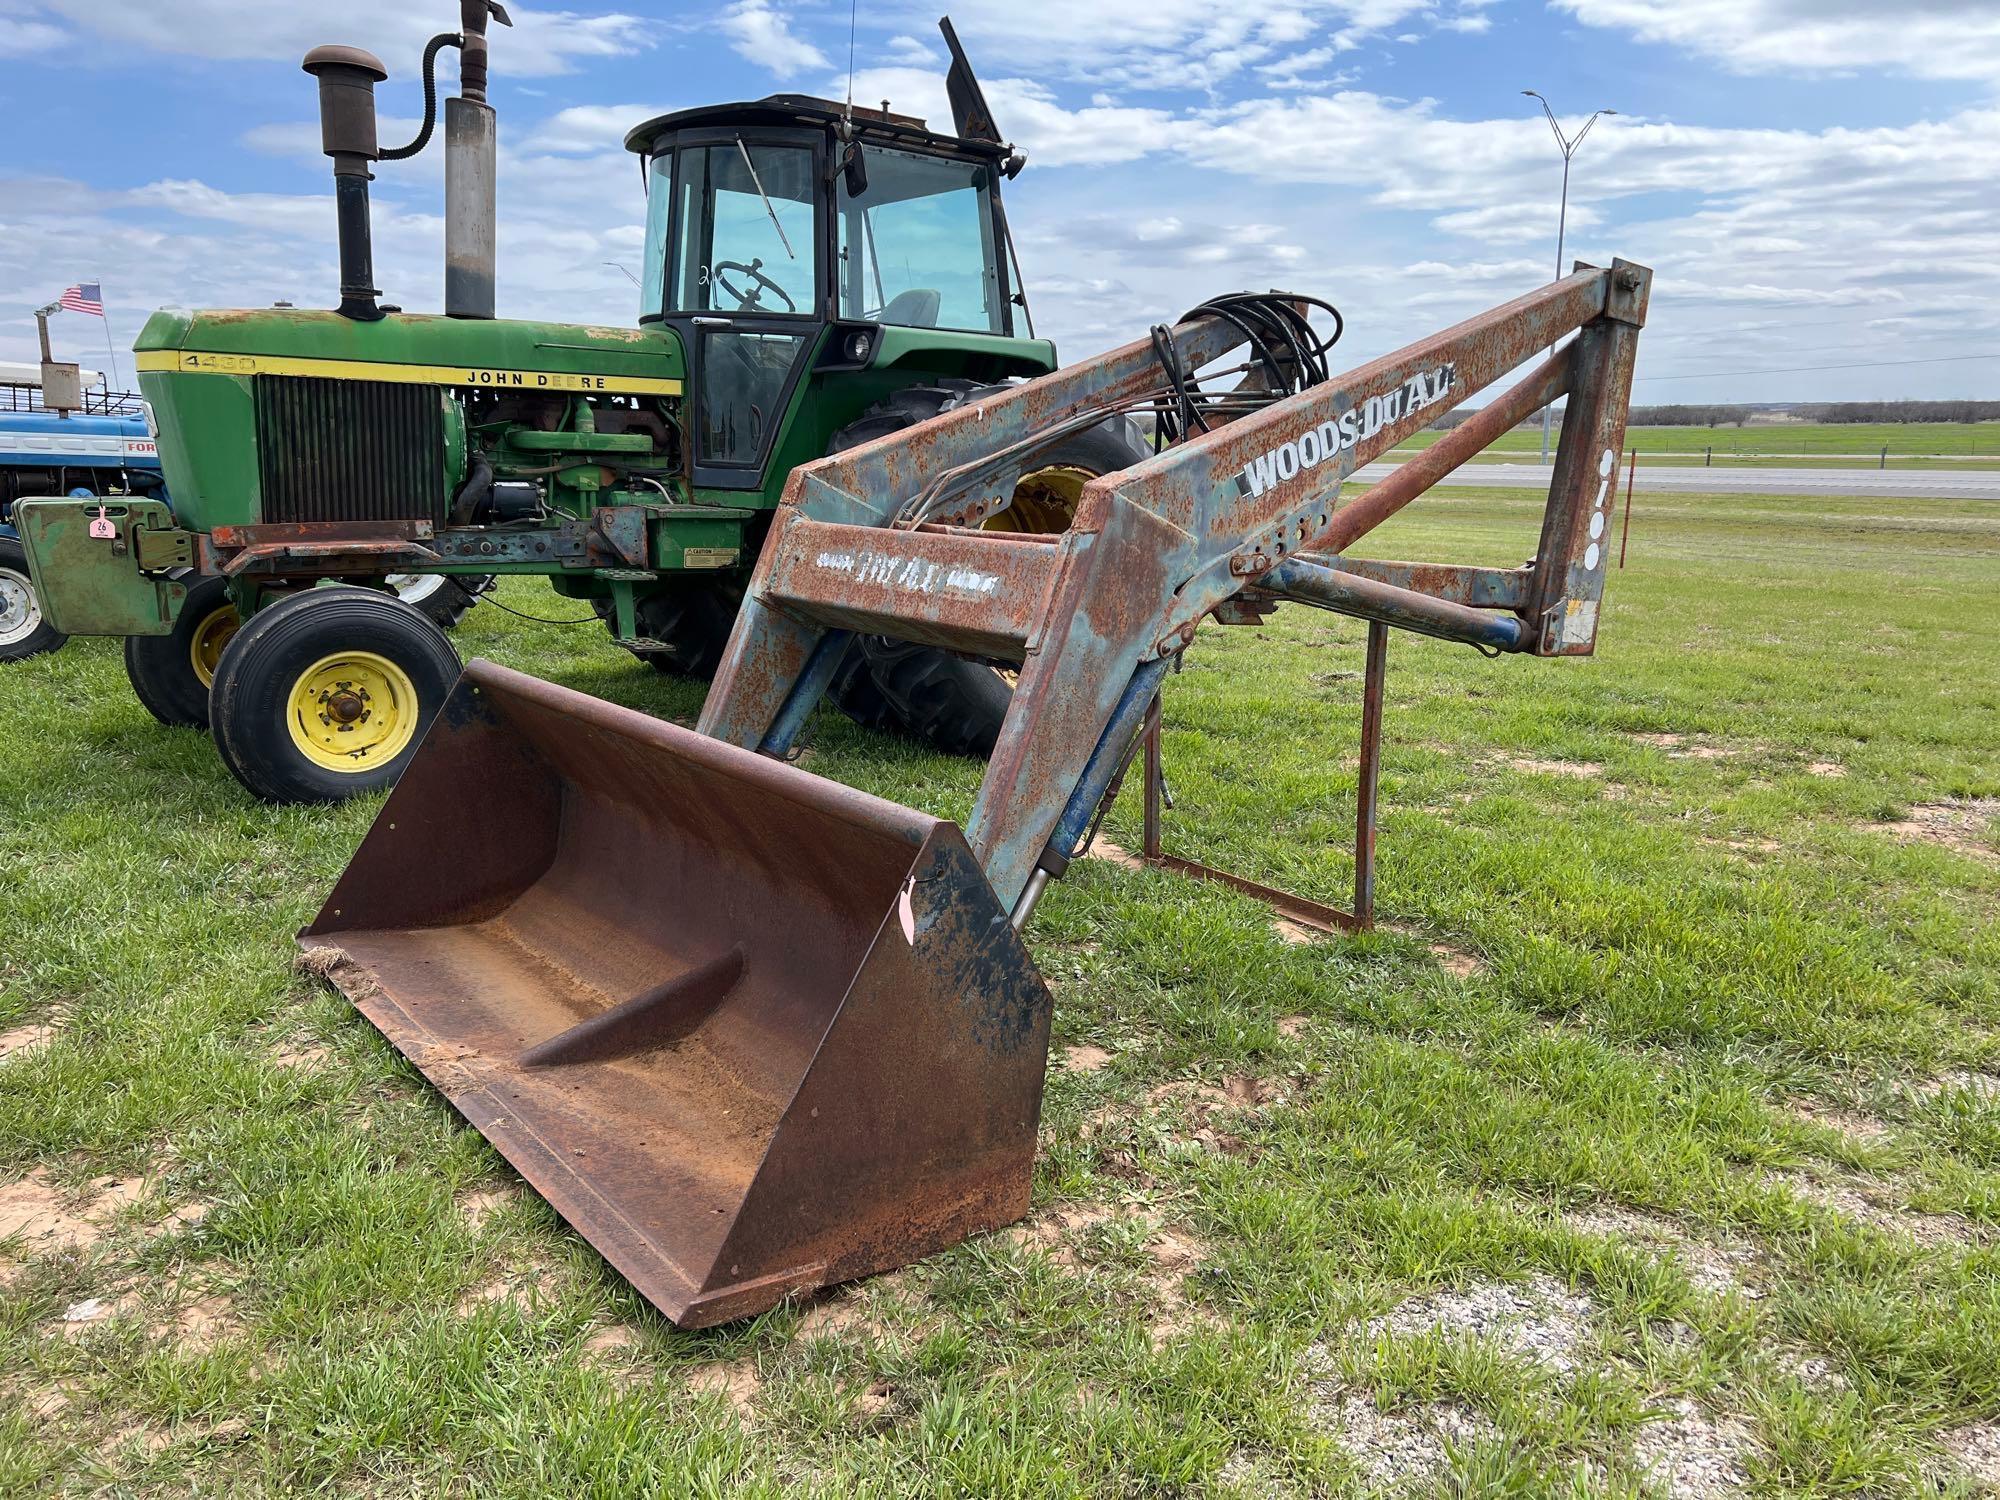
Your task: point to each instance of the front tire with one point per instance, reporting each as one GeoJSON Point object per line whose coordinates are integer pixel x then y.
{"type": "Point", "coordinates": [327, 696]}
{"type": "Point", "coordinates": [171, 674]}
{"type": "Point", "coordinates": [24, 630]}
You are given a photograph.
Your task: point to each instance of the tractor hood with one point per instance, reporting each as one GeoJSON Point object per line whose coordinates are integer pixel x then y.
{"type": "Point", "coordinates": [414, 348]}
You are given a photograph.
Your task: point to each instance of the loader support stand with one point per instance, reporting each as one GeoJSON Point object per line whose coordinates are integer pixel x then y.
{"type": "Point", "coordinates": [1287, 904]}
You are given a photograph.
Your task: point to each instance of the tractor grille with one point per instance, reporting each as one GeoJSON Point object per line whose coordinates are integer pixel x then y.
{"type": "Point", "coordinates": [349, 450]}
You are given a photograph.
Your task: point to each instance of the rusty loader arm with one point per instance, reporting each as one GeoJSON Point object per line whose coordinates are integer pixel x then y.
{"type": "Point", "coordinates": [753, 1032]}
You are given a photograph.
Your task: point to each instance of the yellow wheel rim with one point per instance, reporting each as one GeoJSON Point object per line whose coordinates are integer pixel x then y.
{"type": "Point", "coordinates": [1044, 501]}
{"type": "Point", "coordinates": [209, 639]}
{"type": "Point", "coordinates": [352, 711]}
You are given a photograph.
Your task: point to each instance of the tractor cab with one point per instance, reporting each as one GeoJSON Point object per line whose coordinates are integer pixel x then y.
{"type": "Point", "coordinates": [792, 235]}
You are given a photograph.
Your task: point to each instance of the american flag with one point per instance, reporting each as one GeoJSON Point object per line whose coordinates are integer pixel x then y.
{"type": "Point", "coordinates": [84, 297]}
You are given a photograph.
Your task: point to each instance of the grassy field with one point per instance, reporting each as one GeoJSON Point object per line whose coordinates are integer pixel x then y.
{"type": "Point", "coordinates": [1654, 1139]}
{"type": "Point", "coordinates": [1911, 445]}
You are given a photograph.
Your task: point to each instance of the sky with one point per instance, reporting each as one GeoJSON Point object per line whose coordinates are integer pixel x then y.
{"type": "Point", "coordinates": [1815, 182]}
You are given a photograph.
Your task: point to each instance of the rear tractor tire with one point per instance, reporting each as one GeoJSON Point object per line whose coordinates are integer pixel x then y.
{"type": "Point", "coordinates": [327, 695]}
{"type": "Point", "coordinates": [171, 674]}
{"type": "Point", "coordinates": [953, 702]}
{"type": "Point", "coordinates": [24, 631]}
{"type": "Point", "coordinates": [443, 597]}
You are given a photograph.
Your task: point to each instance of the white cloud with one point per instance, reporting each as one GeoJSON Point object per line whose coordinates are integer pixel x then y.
{"type": "Point", "coordinates": [762, 33]}
{"type": "Point", "coordinates": [541, 41]}
{"type": "Point", "coordinates": [18, 38]}
{"type": "Point", "coordinates": [1178, 45]}
{"type": "Point", "coordinates": [1927, 38]}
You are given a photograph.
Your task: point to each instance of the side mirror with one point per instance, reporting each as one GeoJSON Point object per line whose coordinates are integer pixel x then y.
{"type": "Point", "coordinates": [854, 169]}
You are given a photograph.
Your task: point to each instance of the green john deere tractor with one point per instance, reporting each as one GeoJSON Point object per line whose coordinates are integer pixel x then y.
{"type": "Point", "coordinates": [816, 275]}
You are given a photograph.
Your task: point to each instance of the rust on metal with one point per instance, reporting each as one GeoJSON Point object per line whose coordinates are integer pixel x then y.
{"type": "Point", "coordinates": [753, 1032]}
{"type": "Point", "coordinates": [748, 1030]}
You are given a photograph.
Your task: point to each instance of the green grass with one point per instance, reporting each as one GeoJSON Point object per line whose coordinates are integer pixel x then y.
{"type": "Point", "coordinates": [1911, 445]}
{"type": "Point", "coordinates": [1688, 955]}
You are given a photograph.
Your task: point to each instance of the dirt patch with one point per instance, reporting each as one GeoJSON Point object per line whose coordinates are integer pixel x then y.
{"type": "Point", "coordinates": [1172, 1257]}
{"type": "Point", "coordinates": [1056, 1229]}
{"type": "Point", "coordinates": [201, 1324]}
{"type": "Point", "coordinates": [301, 1056]}
{"type": "Point", "coordinates": [1685, 747]}
{"type": "Point", "coordinates": [1538, 1320]}
{"type": "Point", "coordinates": [1213, 1107]}
{"type": "Point", "coordinates": [737, 1380]}
{"type": "Point", "coordinates": [1831, 769]}
{"type": "Point", "coordinates": [1581, 769]}
{"type": "Point", "coordinates": [1690, 1455]}
{"type": "Point", "coordinates": [1975, 1451]}
{"type": "Point", "coordinates": [83, 1314]}
{"type": "Point", "coordinates": [48, 1219]}
{"type": "Point", "coordinates": [1457, 962]}
{"type": "Point", "coordinates": [1871, 1201]}
{"type": "Point", "coordinates": [1859, 1126]}
{"type": "Point", "coordinates": [1718, 1266]}
{"type": "Point", "coordinates": [1291, 1026]}
{"type": "Point", "coordinates": [613, 1351]}
{"type": "Point", "coordinates": [1297, 934]}
{"type": "Point", "coordinates": [25, 1039]}
{"type": "Point", "coordinates": [1960, 826]}
{"type": "Point", "coordinates": [849, 1310]}
{"type": "Point", "coordinates": [1752, 845]}
{"type": "Point", "coordinates": [874, 1403]}
{"type": "Point", "coordinates": [1084, 1059]}
{"type": "Point", "coordinates": [519, 1287]}
{"type": "Point", "coordinates": [1400, 1447]}
{"type": "Point", "coordinates": [481, 1204]}
{"type": "Point", "coordinates": [1104, 849]}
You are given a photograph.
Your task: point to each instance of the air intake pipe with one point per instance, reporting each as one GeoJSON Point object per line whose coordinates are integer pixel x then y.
{"type": "Point", "coordinates": [347, 78]}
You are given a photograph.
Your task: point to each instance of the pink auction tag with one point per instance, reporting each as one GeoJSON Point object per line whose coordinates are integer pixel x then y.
{"type": "Point", "coordinates": [103, 528]}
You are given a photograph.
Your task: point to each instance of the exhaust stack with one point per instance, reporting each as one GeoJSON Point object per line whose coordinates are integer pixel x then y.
{"type": "Point", "coordinates": [470, 189]}
{"type": "Point", "coordinates": [347, 78]}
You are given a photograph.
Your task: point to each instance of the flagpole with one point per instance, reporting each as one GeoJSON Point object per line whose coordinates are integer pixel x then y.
{"type": "Point", "coordinates": [109, 347]}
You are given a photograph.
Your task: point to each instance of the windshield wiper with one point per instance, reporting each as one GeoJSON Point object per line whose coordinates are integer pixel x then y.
{"type": "Point", "coordinates": [758, 183]}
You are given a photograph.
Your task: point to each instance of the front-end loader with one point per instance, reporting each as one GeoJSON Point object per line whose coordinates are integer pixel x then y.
{"type": "Point", "coordinates": [753, 1032]}
{"type": "Point", "coordinates": [816, 275]}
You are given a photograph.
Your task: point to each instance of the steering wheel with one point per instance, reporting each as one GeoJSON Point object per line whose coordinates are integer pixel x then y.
{"type": "Point", "coordinates": [747, 302]}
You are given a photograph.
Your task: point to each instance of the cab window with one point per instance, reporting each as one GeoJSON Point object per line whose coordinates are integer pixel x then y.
{"type": "Point", "coordinates": [746, 231]}
{"type": "Point", "coordinates": [917, 246]}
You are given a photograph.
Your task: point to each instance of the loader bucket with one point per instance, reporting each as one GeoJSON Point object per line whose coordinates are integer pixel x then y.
{"type": "Point", "coordinates": [748, 1030]}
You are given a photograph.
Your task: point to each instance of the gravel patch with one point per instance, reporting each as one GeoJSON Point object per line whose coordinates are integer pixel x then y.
{"type": "Point", "coordinates": [1718, 1266]}
{"type": "Point", "coordinates": [1870, 1201]}
{"type": "Point", "coordinates": [1975, 1451]}
{"type": "Point", "coordinates": [1395, 1448]}
{"type": "Point", "coordinates": [1690, 1455]}
{"type": "Point", "coordinates": [1539, 1320]}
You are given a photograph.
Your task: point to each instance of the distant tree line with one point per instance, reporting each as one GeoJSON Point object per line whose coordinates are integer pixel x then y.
{"type": "Point", "coordinates": [1694, 415]}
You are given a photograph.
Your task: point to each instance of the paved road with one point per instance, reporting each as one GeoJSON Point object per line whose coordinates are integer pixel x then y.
{"type": "Point", "coordinates": [1929, 484]}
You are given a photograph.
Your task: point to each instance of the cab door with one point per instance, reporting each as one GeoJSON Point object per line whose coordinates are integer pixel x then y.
{"type": "Point", "coordinates": [744, 289]}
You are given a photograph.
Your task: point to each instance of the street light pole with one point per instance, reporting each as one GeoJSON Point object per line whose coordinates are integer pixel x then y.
{"type": "Point", "coordinates": [1568, 145]}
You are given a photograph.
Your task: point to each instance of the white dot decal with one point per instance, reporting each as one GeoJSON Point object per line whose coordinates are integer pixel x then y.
{"type": "Point", "coordinates": [1597, 526]}
{"type": "Point", "coordinates": [1590, 555]}
{"type": "Point", "coordinates": [1607, 463]}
